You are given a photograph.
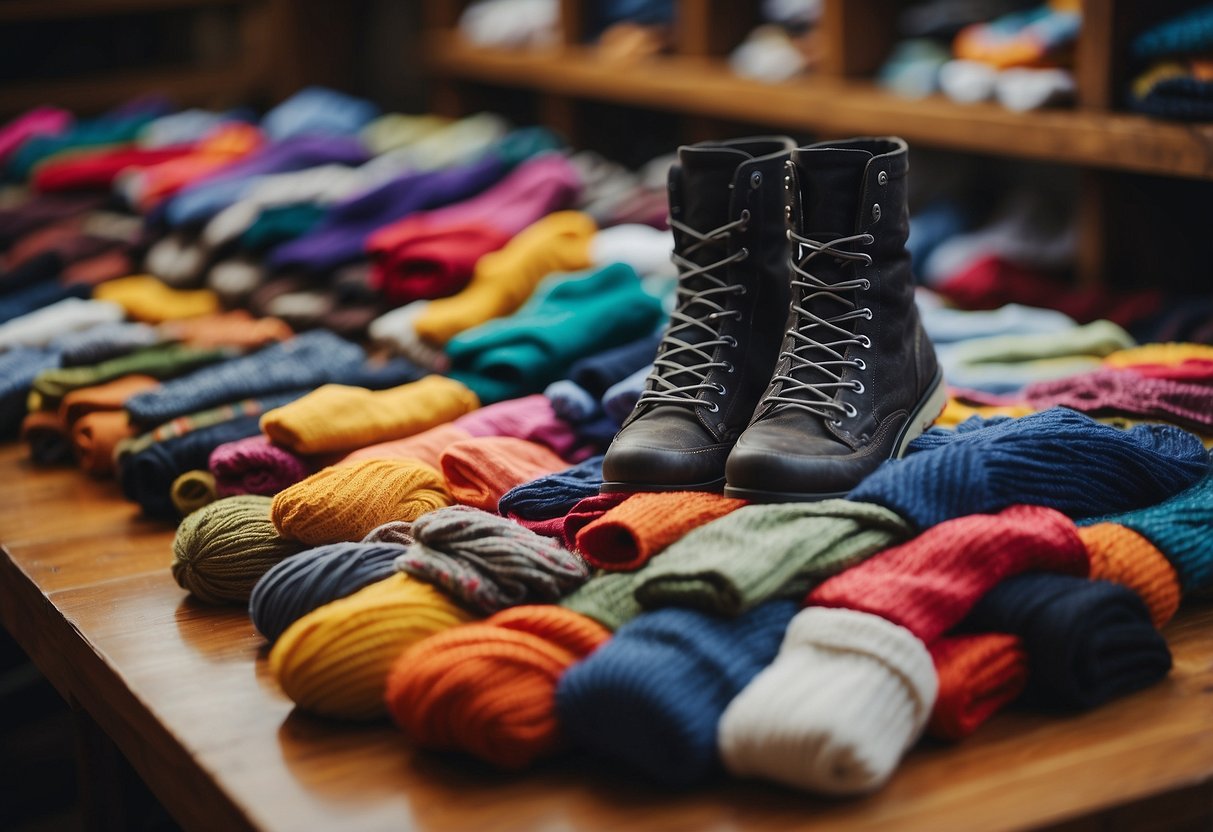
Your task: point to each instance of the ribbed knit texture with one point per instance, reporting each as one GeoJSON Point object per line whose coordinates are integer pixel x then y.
{"type": "Point", "coordinates": [336, 418]}
{"type": "Point", "coordinates": [223, 549]}
{"type": "Point", "coordinates": [18, 369]}
{"type": "Point", "coordinates": [845, 698]}
{"type": "Point", "coordinates": [553, 495]}
{"type": "Point", "coordinates": [1088, 642]}
{"type": "Point", "coordinates": [489, 689]}
{"type": "Point", "coordinates": [627, 536]}
{"type": "Point", "coordinates": [652, 696]}
{"type": "Point", "coordinates": [109, 395]}
{"type": "Point", "coordinates": [100, 343]}
{"type": "Point", "coordinates": [334, 661]}
{"type": "Point", "coordinates": [393, 531]}
{"type": "Point", "coordinates": [478, 471]}
{"type": "Point", "coordinates": [426, 446]}
{"type": "Point", "coordinates": [487, 562]}
{"type": "Point", "coordinates": [254, 466]}
{"type": "Point", "coordinates": [162, 361]}
{"type": "Point", "coordinates": [299, 584]}
{"type": "Point", "coordinates": [529, 417]}
{"type": "Point", "coordinates": [181, 425]}
{"type": "Point", "coordinates": [609, 598]}
{"type": "Point", "coordinates": [930, 583]}
{"type": "Point", "coordinates": [344, 502]}
{"type": "Point", "coordinates": [193, 490]}
{"type": "Point", "coordinates": [762, 552]}
{"type": "Point", "coordinates": [146, 298]}
{"type": "Point", "coordinates": [585, 512]}
{"type": "Point", "coordinates": [978, 676]}
{"type": "Point", "coordinates": [1122, 556]}
{"type": "Point", "coordinates": [1187, 404]}
{"type": "Point", "coordinates": [1056, 458]}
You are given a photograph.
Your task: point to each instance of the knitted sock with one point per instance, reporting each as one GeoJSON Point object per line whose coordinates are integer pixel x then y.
{"type": "Point", "coordinates": [978, 676]}
{"type": "Point", "coordinates": [598, 373]}
{"type": "Point", "coordinates": [146, 298]}
{"type": "Point", "coordinates": [788, 550]}
{"type": "Point", "coordinates": [1122, 556]}
{"type": "Point", "coordinates": [553, 495]}
{"type": "Point", "coordinates": [292, 588]}
{"type": "Point", "coordinates": [930, 583]}
{"type": "Point", "coordinates": [30, 300]}
{"type": "Point", "coordinates": [18, 369]}
{"type": "Point", "coordinates": [254, 466]}
{"type": "Point", "coordinates": [40, 328]}
{"type": "Point", "coordinates": [1057, 458]}
{"type": "Point", "coordinates": [47, 437]}
{"type": "Point", "coordinates": [1088, 642]}
{"type": "Point", "coordinates": [105, 341]}
{"type": "Point", "coordinates": [234, 328]}
{"type": "Point", "coordinates": [39, 121]}
{"type": "Point", "coordinates": [163, 361]}
{"type": "Point", "coordinates": [608, 598]}
{"type": "Point", "coordinates": [1166, 354]}
{"type": "Point", "coordinates": [531, 418]}
{"type": "Point", "coordinates": [627, 536]}
{"type": "Point", "coordinates": [95, 437]}
{"type": "Point", "coordinates": [845, 698]}
{"type": "Point", "coordinates": [478, 471]}
{"type": "Point", "coordinates": [434, 263]}
{"type": "Point", "coordinates": [345, 502]}
{"type": "Point", "coordinates": [222, 550]}
{"type": "Point", "coordinates": [334, 661]}
{"type": "Point", "coordinates": [393, 531]}
{"type": "Point", "coordinates": [620, 398]}
{"type": "Point", "coordinates": [182, 425]}
{"type": "Point", "coordinates": [571, 401]}
{"type": "Point", "coordinates": [585, 512]}
{"type": "Point", "coordinates": [426, 446]}
{"type": "Point", "coordinates": [1112, 392]}
{"type": "Point", "coordinates": [110, 395]}
{"type": "Point", "coordinates": [192, 490]}
{"type": "Point", "coordinates": [489, 688]}
{"type": "Point", "coordinates": [489, 563]}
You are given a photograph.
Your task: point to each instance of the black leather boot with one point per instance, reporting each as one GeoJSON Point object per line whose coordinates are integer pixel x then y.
{"type": "Point", "coordinates": [856, 377]}
{"type": "Point", "coordinates": [726, 211]}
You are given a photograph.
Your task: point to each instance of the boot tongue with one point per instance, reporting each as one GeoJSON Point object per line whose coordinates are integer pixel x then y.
{"type": "Point", "coordinates": [830, 181]}
{"type": "Point", "coordinates": [707, 177]}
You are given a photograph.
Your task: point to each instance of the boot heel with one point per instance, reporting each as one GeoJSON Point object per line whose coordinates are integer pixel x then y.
{"type": "Point", "coordinates": [924, 415]}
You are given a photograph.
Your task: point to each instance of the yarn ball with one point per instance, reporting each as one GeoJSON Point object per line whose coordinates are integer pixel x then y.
{"type": "Point", "coordinates": [193, 490]}
{"type": "Point", "coordinates": [222, 549]}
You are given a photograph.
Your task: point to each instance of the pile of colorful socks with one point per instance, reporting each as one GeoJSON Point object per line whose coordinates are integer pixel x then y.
{"type": "Point", "coordinates": [1177, 82]}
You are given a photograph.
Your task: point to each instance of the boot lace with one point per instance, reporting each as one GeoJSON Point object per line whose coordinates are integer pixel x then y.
{"type": "Point", "coordinates": [698, 311]}
{"type": "Point", "coordinates": [824, 338]}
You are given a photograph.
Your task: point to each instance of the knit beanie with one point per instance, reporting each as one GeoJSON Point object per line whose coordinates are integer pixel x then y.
{"type": "Point", "coordinates": [426, 446]}
{"type": "Point", "coordinates": [788, 548]}
{"type": "Point", "coordinates": [223, 549]}
{"type": "Point", "coordinates": [109, 395]}
{"type": "Point", "coordinates": [334, 661]}
{"type": "Point", "coordinates": [301, 583]}
{"type": "Point", "coordinates": [146, 298]}
{"type": "Point", "coordinates": [555, 494]}
{"type": "Point", "coordinates": [487, 562]}
{"type": "Point", "coordinates": [1088, 642]}
{"type": "Point", "coordinates": [979, 675]}
{"type": "Point", "coordinates": [344, 502]}
{"type": "Point", "coordinates": [627, 536]}
{"type": "Point", "coordinates": [652, 696]}
{"type": "Point", "coordinates": [846, 697]}
{"type": "Point", "coordinates": [192, 491]}
{"type": "Point", "coordinates": [489, 688]}
{"type": "Point", "coordinates": [930, 583]}
{"type": "Point", "coordinates": [95, 438]}
{"type": "Point", "coordinates": [529, 417]}
{"type": "Point", "coordinates": [1056, 458]}
{"type": "Point", "coordinates": [1122, 556]}
{"type": "Point", "coordinates": [105, 341]}
{"type": "Point", "coordinates": [40, 328]}
{"type": "Point", "coordinates": [478, 471]}
{"type": "Point", "coordinates": [336, 418]}
{"type": "Point", "coordinates": [254, 466]}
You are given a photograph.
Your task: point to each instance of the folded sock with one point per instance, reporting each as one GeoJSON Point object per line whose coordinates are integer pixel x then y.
{"type": "Point", "coordinates": [426, 446]}
{"type": "Point", "coordinates": [555, 494]}
{"type": "Point", "coordinates": [234, 328]}
{"type": "Point", "coordinates": [163, 361]}
{"type": "Point", "coordinates": [479, 471]}
{"type": "Point", "coordinates": [608, 598]}
{"type": "Point", "coordinates": [95, 439]}
{"type": "Point", "coordinates": [978, 675]}
{"type": "Point", "coordinates": [620, 398]}
{"type": "Point", "coordinates": [1125, 392]}
{"type": "Point", "coordinates": [105, 341]}
{"type": "Point", "coordinates": [254, 466]}
{"type": "Point", "coordinates": [531, 418]}
{"type": "Point", "coordinates": [109, 395]}
{"type": "Point", "coordinates": [148, 299]}
{"type": "Point", "coordinates": [1122, 556]}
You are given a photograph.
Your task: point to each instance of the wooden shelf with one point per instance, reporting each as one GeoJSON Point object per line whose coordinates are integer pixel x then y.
{"type": "Point", "coordinates": [836, 106]}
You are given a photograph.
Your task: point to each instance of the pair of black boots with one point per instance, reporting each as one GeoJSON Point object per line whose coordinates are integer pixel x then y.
{"type": "Point", "coordinates": [794, 362]}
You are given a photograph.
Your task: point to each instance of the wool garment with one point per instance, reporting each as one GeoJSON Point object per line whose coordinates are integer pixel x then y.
{"type": "Point", "coordinates": [587, 511]}
{"type": "Point", "coordinates": [46, 436]}
{"type": "Point", "coordinates": [460, 141]}
{"type": "Point", "coordinates": [629, 535]}
{"type": "Point", "coordinates": [254, 465]}
{"type": "Point", "coordinates": [233, 328]}
{"type": "Point", "coordinates": [1057, 458]}
{"type": "Point", "coordinates": [608, 597]}
{"type": "Point", "coordinates": [99, 268]}
{"type": "Point", "coordinates": [96, 170]}
{"type": "Point", "coordinates": [620, 398]}
{"type": "Point", "coordinates": [40, 269]}
{"type": "Point", "coordinates": [479, 470]}
{"type": "Point", "coordinates": [1189, 405]}
{"type": "Point", "coordinates": [18, 369]}
{"type": "Point", "coordinates": [1170, 354]}
{"type": "Point", "coordinates": [344, 502]}
{"type": "Point", "coordinates": [393, 531]}
{"type": "Point", "coordinates": [957, 411]}
{"type": "Point", "coordinates": [1196, 370]}
{"type": "Point", "coordinates": [844, 699]}
{"type": "Point", "coordinates": [146, 188]}
{"type": "Point", "coordinates": [531, 418]}
{"type": "Point", "coordinates": [280, 224]}
{"type": "Point", "coordinates": [488, 563]}
{"type": "Point", "coordinates": [105, 341]}
{"type": "Point", "coordinates": [788, 549]}
{"type": "Point", "coordinates": [1088, 642]}
{"type": "Point", "coordinates": [652, 696]}
{"type": "Point", "coordinates": [25, 301]}
{"type": "Point", "coordinates": [335, 660]}
{"type": "Point", "coordinates": [979, 674]}
{"type": "Point", "coordinates": [489, 688]}
{"type": "Point", "coordinates": [95, 438]}
{"type": "Point", "coordinates": [40, 210]}
{"type": "Point", "coordinates": [109, 395]}
{"type": "Point", "coordinates": [426, 446]}
{"type": "Point", "coordinates": [434, 263]}
{"type": "Point", "coordinates": [946, 325]}
{"type": "Point", "coordinates": [182, 425]}
{"type": "Point", "coordinates": [146, 298]}
{"type": "Point", "coordinates": [65, 240]}
{"type": "Point", "coordinates": [571, 402]}
{"type": "Point", "coordinates": [599, 372]}
{"type": "Point", "coordinates": [293, 587]}
{"type": "Point", "coordinates": [566, 319]}
{"type": "Point", "coordinates": [309, 359]}
{"type": "Point", "coordinates": [395, 332]}
{"type": "Point", "coordinates": [930, 583]}
{"type": "Point", "coordinates": [555, 494]}
{"type": "Point", "coordinates": [108, 129]}
{"type": "Point", "coordinates": [1122, 556]}
{"type": "Point", "coordinates": [38, 121]}
{"type": "Point", "coordinates": [336, 418]}
{"type": "Point", "coordinates": [193, 490]}
{"type": "Point", "coordinates": [504, 280]}
{"type": "Point", "coordinates": [40, 328]}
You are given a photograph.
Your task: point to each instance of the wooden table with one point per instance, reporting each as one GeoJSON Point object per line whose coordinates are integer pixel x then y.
{"type": "Point", "coordinates": [183, 691]}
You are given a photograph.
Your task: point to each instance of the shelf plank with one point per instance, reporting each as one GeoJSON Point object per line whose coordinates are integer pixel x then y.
{"type": "Point", "coordinates": [838, 106]}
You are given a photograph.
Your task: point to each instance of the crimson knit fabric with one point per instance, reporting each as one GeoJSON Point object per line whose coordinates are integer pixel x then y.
{"type": "Point", "coordinates": [1188, 404]}
{"type": "Point", "coordinates": [586, 512]}
{"type": "Point", "coordinates": [930, 583]}
{"type": "Point", "coordinates": [979, 675]}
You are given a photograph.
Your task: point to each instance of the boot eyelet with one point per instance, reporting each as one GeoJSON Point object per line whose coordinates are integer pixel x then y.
{"type": "Point", "coordinates": [743, 254]}
{"type": "Point", "coordinates": [858, 387]}
{"type": "Point", "coordinates": [882, 177]}
{"type": "Point", "coordinates": [851, 412]}
{"type": "Point", "coordinates": [720, 388]}
{"type": "Point", "coordinates": [728, 367]}
{"type": "Point", "coordinates": [876, 212]}
{"type": "Point", "coordinates": [866, 284]}
{"type": "Point", "coordinates": [869, 241]}
{"type": "Point", "coordinates": [713, 407]}
{"type": "Point", "coordinates": [865, 342]}
{"type": "Point", "coordinates": [860, 364]}
{"type": "Point", "coordinates": [867, 313]}
{"type": "Point", "coordinates": [744, 218]}
{"type": "Point", "coordinates": [730, 341]}
{"type": "Point", "coordinates": [755, 179]}
{"type": "Point", "coordinates": [741, 291]}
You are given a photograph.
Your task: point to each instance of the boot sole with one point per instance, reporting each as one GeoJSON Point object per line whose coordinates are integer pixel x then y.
{"type": "Point", "coordinates": [929, 408]}
{"type": "Point", "coordinates": [639, 487]}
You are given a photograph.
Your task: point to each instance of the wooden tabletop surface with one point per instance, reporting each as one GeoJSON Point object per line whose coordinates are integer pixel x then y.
{"type": "Point", "coordinates": [183, 690]}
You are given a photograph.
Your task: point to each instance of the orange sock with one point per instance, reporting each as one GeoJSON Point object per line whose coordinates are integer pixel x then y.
{"type": "Point", "coordinates": [979, 675]}
{"type": "Point", "coordinates": [236, 328]}
{"type": "Point", "coordinates": [1123, 556]}
{"type": "Point", "coordinates": [478, 471]}
{"type": "Point", "coordinates": [426, 446]}
{"type": "Point", "coordinates": [95, 436]}
{"type": "Point", "coordinates": [108, 396]}
{"type": "Point", "coordinates": [627, 536]}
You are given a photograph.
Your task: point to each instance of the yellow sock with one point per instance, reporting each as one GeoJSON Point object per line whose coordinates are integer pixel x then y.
{"type": "Point", "coordinates": [1171, 353]}
{"type": "Point", "coordinates": [146, 298]}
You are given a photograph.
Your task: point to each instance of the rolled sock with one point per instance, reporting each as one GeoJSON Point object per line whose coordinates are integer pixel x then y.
{"type": "Point", "coordinates": [967, 82]}
{"type": "Point", "coordinates": [109, 395]}
{"type": "Point", "coordinates": [553, 495]}
{"type": "Point", "coordinates": [46, 435]}
{"type": "Point", "coordinates": [1088, 642]}
{"type": "Point", "coordinates": [336, 418]}
{"type": "Point", "coordinates": [1056, 458]}
{"type": "Point", "coordinates": [489, 688]}
{"type": "Point", "coordinates": [254, 466]}
{"type": "Point", "coordinates": [644, 248]}
{"type": "Point", "coordinates": [334, 661]}
{"type": "Point", "coordinates": [652, 696]}
{"type": "Point", "coordinates": [835, 712]}
{"type": "Point", "coordinates": [312, 578]}
{"type": "Point", "coordinates": [585, 512]}
{"type": "Point", "coordinates": [1122, 556]}
{"type": "Point", "coordinates": [571, 401]}
{"type": "Point", "coordinates": [343, 503]}
{"type": "Point", "coordinates": [426, 446]}
{"type": "Point", "coordinates": [193, 490]}
{"type": "Point", "coordinates": [95, 438]}
{"type": "Point", "coordinates": [487, 562]}
{"type": "Point", "coordinates": [40, 328]}
{"type": "Point", "coordinates": [620, 398]}
{"type": "Point", "coordinates": [146, 298]}
{"type": "Point", "coordinates": [788, 550]}
{"type": "Point", "coordinates": [978, 676]}
{"type": "Point", "coordinates": [478, 471]}
{"type": "Point", "coordinates": [531, 418]}
{"type": "Point", "coordinates": [627, 536]}
{"type": "Point", "coordinates": [105, 341]}
{"type": "Point", "coordinates": [434, 263]}
{"type": "Point", "coordinates": [234, 328]}
{"type": "Point", "coordinates": [1125, 392]}
{"type": "Point", "coordinates": [930, 583]}
{"type": "Point", "coordinates": [305, 360]}
{"type": "Point", "coordinates": [608, 598]}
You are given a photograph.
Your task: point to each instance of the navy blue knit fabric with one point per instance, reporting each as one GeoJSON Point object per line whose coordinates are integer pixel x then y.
{"type": "Point", "coordinates": [31, 298]}
{"type": "Point", "coordinates": [105, 341]}
{"type": "Point", "coordinates": [555, 494]}
{"type": "Point", "coordinates": [18, 367]}
{"type": "Point", "coordinates": [597, 373]}
{"type": "Point", "coordinates": [1184, 99]}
